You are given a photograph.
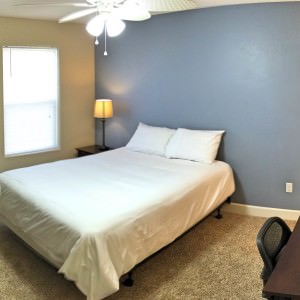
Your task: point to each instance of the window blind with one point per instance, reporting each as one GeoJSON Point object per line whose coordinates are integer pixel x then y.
{"type": "Point", "coordinates": [30, 87]}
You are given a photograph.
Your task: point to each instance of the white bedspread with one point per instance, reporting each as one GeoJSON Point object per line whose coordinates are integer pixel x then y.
{"type": "Point", "coordinates": [97, 216]}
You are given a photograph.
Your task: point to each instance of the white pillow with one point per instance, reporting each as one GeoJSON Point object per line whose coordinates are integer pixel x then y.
{"type": "Point", "coordinates": [197, 145]}
{"type": "Point", "coordinates": [150, 139]}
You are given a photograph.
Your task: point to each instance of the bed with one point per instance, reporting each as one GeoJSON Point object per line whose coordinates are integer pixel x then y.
{"type": "Point", "coordinates": [98, 216]}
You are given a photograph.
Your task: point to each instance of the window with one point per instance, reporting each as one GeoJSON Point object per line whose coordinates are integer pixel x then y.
{"type": "Point", "coordinates": [30, 86]}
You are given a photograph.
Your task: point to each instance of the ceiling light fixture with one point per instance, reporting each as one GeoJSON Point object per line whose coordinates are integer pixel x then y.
{"type": "Point", "coordinates": [95, 26]}
{"type": "Point", "coordinates": [112, 26]}
{"type": "Point", "coordinates": [110, 16]}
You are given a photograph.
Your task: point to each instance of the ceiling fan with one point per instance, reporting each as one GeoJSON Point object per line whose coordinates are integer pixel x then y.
{"type": "Point", "coordinates": [109, 14]}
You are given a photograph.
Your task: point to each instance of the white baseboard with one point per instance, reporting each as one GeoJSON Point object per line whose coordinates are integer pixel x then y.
{"type": "Point", "coordinates": [258, 211]}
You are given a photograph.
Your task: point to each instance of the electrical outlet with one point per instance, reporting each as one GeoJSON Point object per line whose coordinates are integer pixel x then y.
{"type": "Point", "coordinates": [288, 187]}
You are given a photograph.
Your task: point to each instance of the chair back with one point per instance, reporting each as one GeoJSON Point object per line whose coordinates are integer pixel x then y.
{"type": "Point", "coordinates": [270, 241]}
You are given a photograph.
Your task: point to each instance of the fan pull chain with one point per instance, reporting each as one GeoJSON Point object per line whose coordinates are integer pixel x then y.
{"type": "Point", "coordinates": [96, 41]}
{"type": "Point", "coordinates": [105, 31]}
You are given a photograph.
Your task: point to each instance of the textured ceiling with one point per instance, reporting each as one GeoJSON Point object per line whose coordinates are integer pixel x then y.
{"type": "Point", "coordinates": [10, 8]}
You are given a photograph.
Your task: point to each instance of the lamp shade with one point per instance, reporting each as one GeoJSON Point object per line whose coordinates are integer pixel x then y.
{"type": "Point", "coordinates": [103, 108]}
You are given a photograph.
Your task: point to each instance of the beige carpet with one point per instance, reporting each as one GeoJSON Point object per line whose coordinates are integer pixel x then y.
{"type": "Point", "coordinates": [217, 259]}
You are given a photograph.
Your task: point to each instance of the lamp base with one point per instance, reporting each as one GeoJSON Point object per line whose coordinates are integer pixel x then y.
{"type": "Point", "coordinates": [103, 148]}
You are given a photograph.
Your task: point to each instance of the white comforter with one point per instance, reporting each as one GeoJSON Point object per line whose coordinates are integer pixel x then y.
{"type": "Point", "coordinates": [97, 216]}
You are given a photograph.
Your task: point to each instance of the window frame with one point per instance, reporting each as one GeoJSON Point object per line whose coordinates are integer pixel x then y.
{"type": "Point", "coordinates": [58, 104]}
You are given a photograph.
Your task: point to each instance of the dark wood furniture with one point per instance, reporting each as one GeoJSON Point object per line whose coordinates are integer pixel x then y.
{"type": "Point", "coordinates": [285, 278]}
{"type": "Point", "coordinates": [88, 150]}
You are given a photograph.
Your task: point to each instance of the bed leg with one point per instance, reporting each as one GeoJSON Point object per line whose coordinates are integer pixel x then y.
{"type": "Point", "coordinates": [228, 200]}
{"type": "Point", "coordinates": [219, 215]}
{"type": "Point", "coordinates": [128, 281]}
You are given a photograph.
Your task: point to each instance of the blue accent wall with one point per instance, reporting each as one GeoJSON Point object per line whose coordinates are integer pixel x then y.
{"type": "Point", "coordinates": [235, 68]}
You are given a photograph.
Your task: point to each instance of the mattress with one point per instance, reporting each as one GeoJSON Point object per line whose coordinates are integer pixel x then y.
{"type": "Point", "coordinates": [97, 216]}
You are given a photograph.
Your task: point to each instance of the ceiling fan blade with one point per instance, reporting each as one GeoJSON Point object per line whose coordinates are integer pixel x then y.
{"type": "Point", "coordinates": [77, 15]}
{"type": "Point", "coordinates": [132, 10]}
{"type": "Point", "coordinates": [73, 4]}
{"type": "Point", "coordinates": [170, 5]}
{"type": "Point", "coordinates": [134, 17]}
{"type": "Point", "coordinates": [131, 14]}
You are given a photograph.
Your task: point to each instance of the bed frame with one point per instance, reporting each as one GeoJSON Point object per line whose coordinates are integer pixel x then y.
{"type": "Point", "coordinates": [129, 281]}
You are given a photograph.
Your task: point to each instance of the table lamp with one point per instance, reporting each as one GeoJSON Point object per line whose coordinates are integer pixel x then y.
{"type": "Point", "coordinates": [103, 111]}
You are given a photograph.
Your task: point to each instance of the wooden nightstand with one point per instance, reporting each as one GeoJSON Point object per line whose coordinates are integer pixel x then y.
{"type": "Point", "coordinates": [88, 150]}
